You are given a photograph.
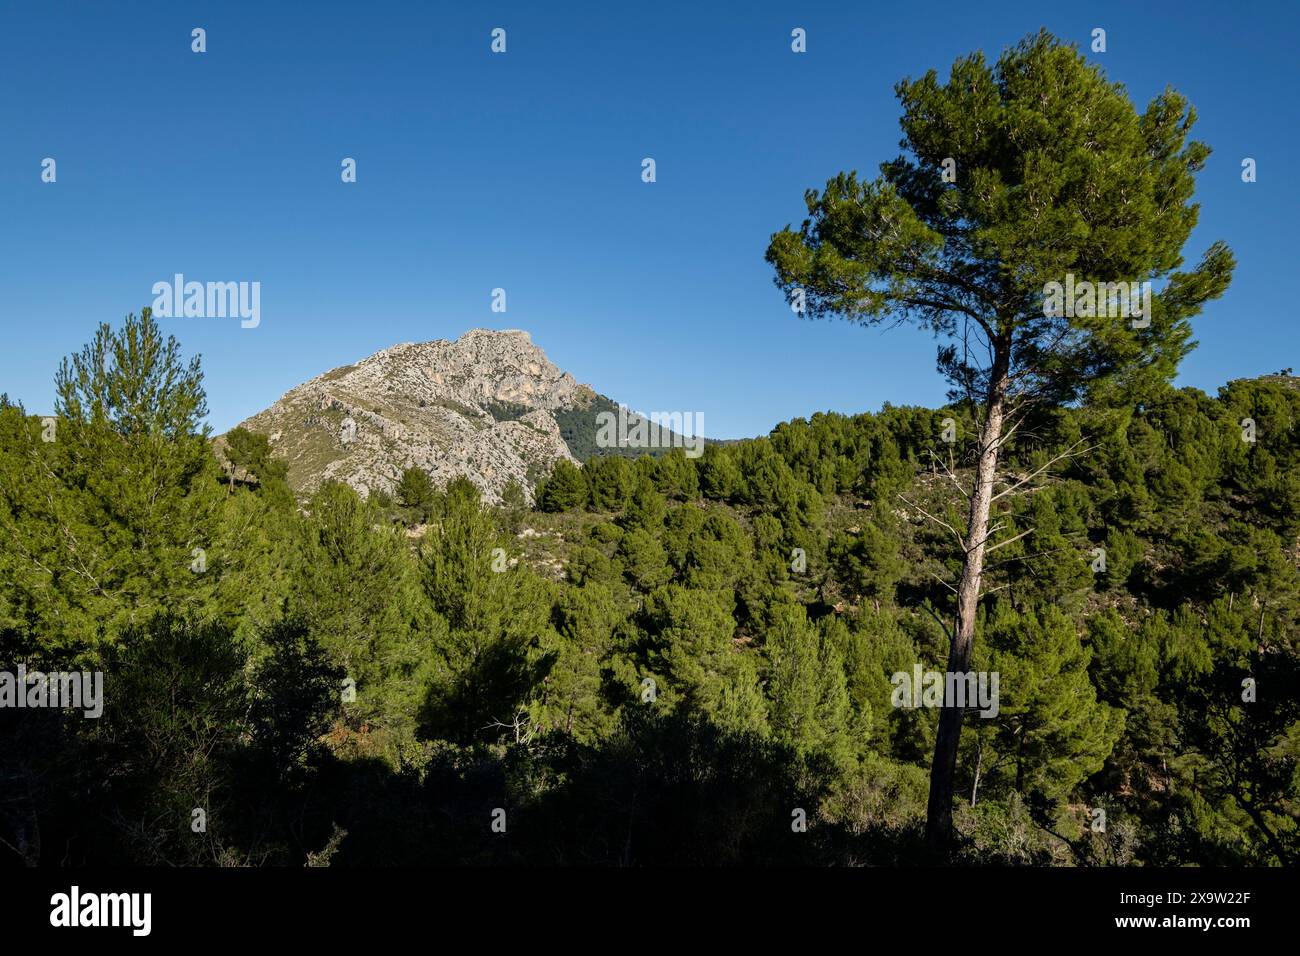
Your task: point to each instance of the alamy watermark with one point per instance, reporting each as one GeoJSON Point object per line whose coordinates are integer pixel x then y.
{"type": "Point", "coordinates": [81, 690]}
{"type": "Point", "coordinates": [129, 910]}
{"type": "Point", "coordinates": [922, 688]}
{"type": "Point", "coordinates": [209, 300]}
{"type": "Point", "coordinates": [1107, 300]}
{"type": "Point", "coordinates": [628, 429]}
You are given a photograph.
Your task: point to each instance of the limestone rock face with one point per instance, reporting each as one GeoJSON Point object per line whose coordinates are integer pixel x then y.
{"type": "Point", "coordinates": [483, 406]}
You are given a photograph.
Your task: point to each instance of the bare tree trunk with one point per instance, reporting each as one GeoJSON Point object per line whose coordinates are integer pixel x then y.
{"type": "Point", "coordinates": [938, 824]}
{"type": "Point", "coordinates": [1021, 733]}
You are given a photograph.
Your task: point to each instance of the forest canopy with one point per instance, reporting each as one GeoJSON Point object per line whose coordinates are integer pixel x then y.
{"type": "Point", "coordinates": [668, 660]}
{"type": "Point", "coordinates": [1056, 621]}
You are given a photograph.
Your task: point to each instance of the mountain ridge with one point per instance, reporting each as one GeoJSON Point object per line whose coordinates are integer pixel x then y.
{"type": "Point", "coordinates": [488, 405]}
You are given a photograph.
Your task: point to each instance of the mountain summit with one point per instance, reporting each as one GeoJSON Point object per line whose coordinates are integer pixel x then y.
{"type": "Point", "coordinates": [489, 405]}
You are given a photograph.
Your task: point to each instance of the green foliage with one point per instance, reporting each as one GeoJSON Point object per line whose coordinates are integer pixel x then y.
{"type": "Point", "coordinates": [1050, 733]}
{"type": "Point", "coordinates": [808, 689]}
{"type": "Point", "coordinates": [173, 734]}
{"type": "Point", "coordinates": [500, 641]}
{"type": "Point", "coordinates": [417, 495]}
{"type": "Point", "coordinates": [644, 669]}
{"type": "Point", "coordinates": [250, 454]}
{"type": "Point", "coordinates": [689, 650]}
{"type": "Point", "coordinates": [564, 490]}
{"type": "Point", "coordinates": [610, 482]}
{"type": "Point", "coordinates": [356, 586]}
{"type": "Point", "coordinates": [580, 424]}
{"type": "Point", "coordinates": [1057, 173]}
{"type": "Point", "coordinates": [574, 701]}
{"type": "Point", "coordinates": [868, 564]}
{"type": "Point", "coordinates": [101, 522]}
{"type": "Point", "coordinates": [492, 660]}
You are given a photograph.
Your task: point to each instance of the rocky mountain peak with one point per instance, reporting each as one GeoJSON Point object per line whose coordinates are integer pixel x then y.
{"type": "Point", "coordinates": [483, 405]}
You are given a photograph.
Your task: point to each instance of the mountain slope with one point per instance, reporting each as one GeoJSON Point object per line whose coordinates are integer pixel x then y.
{"type": "Point", "coordinates": [489, 405]}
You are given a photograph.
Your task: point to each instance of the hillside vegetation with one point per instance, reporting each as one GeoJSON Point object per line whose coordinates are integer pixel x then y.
{"type": "Point", "coordinates": [667, 660]}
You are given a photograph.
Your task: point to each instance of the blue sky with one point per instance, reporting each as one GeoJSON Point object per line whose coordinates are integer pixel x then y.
{"type": "Point", "coordinates": [522, 171]}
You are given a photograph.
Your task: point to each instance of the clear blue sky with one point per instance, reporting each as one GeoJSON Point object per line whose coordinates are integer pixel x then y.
{"type": "Point", "coordinates": [522, 171]}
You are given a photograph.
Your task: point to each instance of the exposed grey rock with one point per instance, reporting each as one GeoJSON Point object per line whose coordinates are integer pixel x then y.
{"type": "Point", "coordinates": [482, 406]}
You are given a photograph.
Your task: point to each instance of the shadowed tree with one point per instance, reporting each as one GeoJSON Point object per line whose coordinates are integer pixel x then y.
{"type": "Point", "coordinates": [1014, 175]}
{"type": "Point", "coordinates": [488, 671]}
